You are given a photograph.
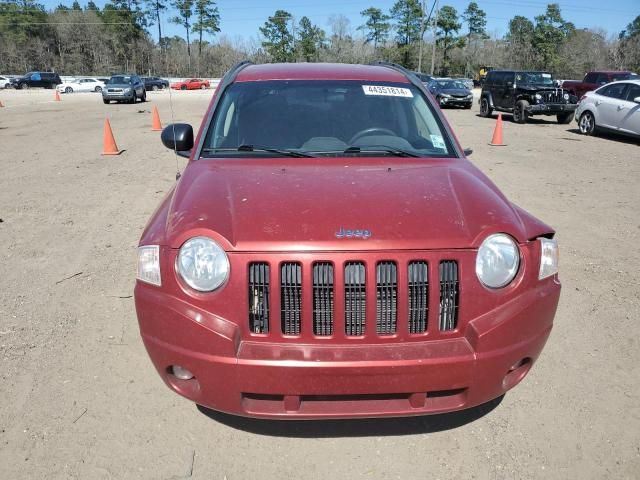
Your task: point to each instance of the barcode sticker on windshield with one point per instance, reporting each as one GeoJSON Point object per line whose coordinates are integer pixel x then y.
{"type": "Point", "coordinates": [437, 141]}
{"type": "Point", "coordinates": [386, 91]}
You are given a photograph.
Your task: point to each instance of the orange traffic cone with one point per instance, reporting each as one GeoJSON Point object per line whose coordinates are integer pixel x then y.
{"type": "Point", "coordinates": [496, 141]}
{"type": "Point", "coordinates": [157, 125]}
{"type": "Point", "coordinates": [57, 97]}
{"type": "Point", "coordinates": [110, 147]}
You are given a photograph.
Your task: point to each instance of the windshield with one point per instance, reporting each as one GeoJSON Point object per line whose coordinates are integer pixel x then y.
{"type": "Point", "coordinates": [325, 118]}
{"type": "Point", "coordinates": [450, 84]}
{"type": "Point", "coordinates": [119, 80]}
{"type": "Point", "coordinates": [534, 78]}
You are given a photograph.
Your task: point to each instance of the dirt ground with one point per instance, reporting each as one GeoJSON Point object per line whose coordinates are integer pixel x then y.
{"type": "Point", "coordinates": [80, 398]}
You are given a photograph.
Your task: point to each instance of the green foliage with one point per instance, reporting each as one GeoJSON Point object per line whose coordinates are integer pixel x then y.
{"type": "Point", "coordinates": [278, 39]}
{"type": "Point", "coordinates": [376, 27]}
{"type": "Point", "coordinates": [476, 20]}
{"type": "Point", "coordinates": [185, 12]}
{"type": "Point", "coordinates": [549, 34]}
{"type": "Point", "coordinates": [407, 14]}
{"type": "Point", "coordinates": [208, 20]}
{"type": "Point", "coordinates": [311, 39]}
{"type": "Point", "coordinates": [446, 35]}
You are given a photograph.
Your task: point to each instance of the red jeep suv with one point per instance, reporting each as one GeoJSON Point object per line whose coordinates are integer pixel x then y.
{"type": "Point", "coordinates": [329, 252]}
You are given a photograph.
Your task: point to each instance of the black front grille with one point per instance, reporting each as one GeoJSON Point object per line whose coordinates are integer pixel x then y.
{"type": "Point", "coordinates": [553, 96]}
{"type": "Point", "coordinates": [323, 299]}
{"type": "Point", "coordinates": [386, 298]}
{"type": "Point", "coordinates": [355, 298]}
{"type": "Point", "coordinates": [418, 297]}
{"type": "Point", "coordinates": [259, 297]}
{"type": "Point", "coordinates": [448, 295]}
{"type": "Point", "coordinates": [290, 298]}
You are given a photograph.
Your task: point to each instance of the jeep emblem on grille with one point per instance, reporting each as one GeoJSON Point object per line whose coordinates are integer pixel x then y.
{"type": "Point", "coordinates": [345, 233]}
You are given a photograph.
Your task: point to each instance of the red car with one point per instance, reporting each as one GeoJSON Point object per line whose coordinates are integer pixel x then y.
{"type": "Point", "coordinates": [191, 84]}
{"type": "Point", "coordinates": [594, 80]}
{"type": "Point", "coordinates": [330, 252]}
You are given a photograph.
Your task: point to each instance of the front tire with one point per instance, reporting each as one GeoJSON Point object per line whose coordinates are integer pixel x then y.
{"type": "Point", "coordinates": [68, 90]}
{"type": "Point", "coordinates": [24, 86]}
{"type": "Point", "coordinates": [154, 88]}
{"type": "Point", "coordinates": [202, 87]}
{"type": "Point", "coordinates": [587, 123]}
{"type": "Point", "coordinates": [183, 87]}
{"type": "Point", "coordinates": [564, 118]}
{"type": "Point", "coordinates": [485, 108]}
{"type": "Point", "coordinates": [105, 101]}
{"type": "Point", "coordinates": [520, 114]}
{"type": "Point", "coordinates": [144, 96]}
{"type": "Point", "coordinates": [98, 89]}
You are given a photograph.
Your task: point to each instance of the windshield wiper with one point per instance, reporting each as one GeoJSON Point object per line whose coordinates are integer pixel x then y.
{"type": "Point", "coordinates": [381, 149]}
{"type": "Point", "coordinates": [257, 148]}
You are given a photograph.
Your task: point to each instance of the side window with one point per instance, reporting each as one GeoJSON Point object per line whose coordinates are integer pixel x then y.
{"type": "Point", "coordinates": [633, 92]}
{"type": "Point", "coordinates": [591, 78]}
{"type": "Point", "coordinates": [614, 91]}
{"type": "Point", "coordinates": [602, 79]}
{"type": "Point", "coordinates": [36, 77]}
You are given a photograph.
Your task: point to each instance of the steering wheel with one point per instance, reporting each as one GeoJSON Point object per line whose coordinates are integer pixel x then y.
{"type": "Point", "coordinates": [371, 131]}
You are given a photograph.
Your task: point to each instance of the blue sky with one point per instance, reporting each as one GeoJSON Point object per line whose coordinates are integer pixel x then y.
{"type": "Point", "coordinates": [242, 18]}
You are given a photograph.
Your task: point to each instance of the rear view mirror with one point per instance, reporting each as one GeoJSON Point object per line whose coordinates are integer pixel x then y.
{"type": "Point", "coordinates": [178, 137]}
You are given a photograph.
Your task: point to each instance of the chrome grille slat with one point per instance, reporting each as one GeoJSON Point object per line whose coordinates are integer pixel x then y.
{"type": "Point", "coordinates": [323, 299]}
{"type": "Point", "coordinates": [448, 295]}
{"type": "Point", "coordinates": [291, 298]}
{"type": "Point", "coordinates": [259, 297]}
{"type": "Point", "coordinates": [387, 298]}
{"type": "Point", "coordinates": [418, 297]}
{"type": "Point", "coordinates": [355, 308]}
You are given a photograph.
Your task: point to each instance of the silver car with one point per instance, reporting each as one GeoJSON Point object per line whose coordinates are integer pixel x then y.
{"type": "Point", "coordinates": [614, 107]}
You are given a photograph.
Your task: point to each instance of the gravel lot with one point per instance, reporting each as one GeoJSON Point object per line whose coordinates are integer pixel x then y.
{"type": "Point", "coordinates": [80, 398]}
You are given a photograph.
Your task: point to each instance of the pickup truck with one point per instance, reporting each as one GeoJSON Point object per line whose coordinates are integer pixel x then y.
{"type": "Point", "coordinates": [593, 80]}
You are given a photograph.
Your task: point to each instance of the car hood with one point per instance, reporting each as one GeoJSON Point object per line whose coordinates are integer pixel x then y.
{"type": "Point", "coordinates": [119, 85]}
{"type": "Point", "coordinates": [455, 91]}
{"type": "Point", "coordinates": [275, 205]}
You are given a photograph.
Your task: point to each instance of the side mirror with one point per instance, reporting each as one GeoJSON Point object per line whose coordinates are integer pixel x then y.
{"type": "Point", "coordinates": [467, 152]}
{"type": "Point", "coordinates": [636, 100]}
{"type": "Point", "coordinates": [178, 137]}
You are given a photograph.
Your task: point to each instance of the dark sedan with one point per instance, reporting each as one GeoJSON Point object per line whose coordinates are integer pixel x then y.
{"type": "Point", "coordinates": [155, 83]}
{"type": "Point", "coordinates": [451, 93]}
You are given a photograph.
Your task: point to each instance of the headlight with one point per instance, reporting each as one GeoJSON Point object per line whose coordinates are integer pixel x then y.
{"type": "Point", "coordinates": [127, 90]}
{"type": "Point", "coordinates": [548, 258]}
{"type": "Point", "coordinates": [202, 264]}
{"type": "Point", "coordinates": [445, 95]}
{"type": "Point", "coordinates": [497, 260]}
{"type": "Point", "coordinates": [149, 264]}
{"type": "Point", "coordinates": [538, 97]}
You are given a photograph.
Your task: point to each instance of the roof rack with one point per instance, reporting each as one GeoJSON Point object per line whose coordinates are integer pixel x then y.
{"type": "Point", "coordinates": [399, 68]}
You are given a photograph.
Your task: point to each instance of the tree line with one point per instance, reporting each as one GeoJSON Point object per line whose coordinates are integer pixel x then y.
{"type": "Point", "coordinates": [127, 36]}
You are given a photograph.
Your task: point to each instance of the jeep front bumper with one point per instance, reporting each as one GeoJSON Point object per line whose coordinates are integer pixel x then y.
{"type": "Point", "coordinates": [551, 109]}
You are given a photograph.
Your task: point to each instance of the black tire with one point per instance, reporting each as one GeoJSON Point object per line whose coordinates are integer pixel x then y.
{"type": "Point", "coordinates": [202, 87]}
{"type": "Point", "coordinates": [144, 96]}
{"type": "Point", "coordinates": [485, 107]}
{"type": "Point", "coordinates": [155, 88]}
{"type": "Point", "coordinates": [587, 123]}
{"type": "Point", "coordinates": [105, 101]}
{"type": "Point", "coordinates": [134, 97]}
{"type": "Point", "coordinates": [520, 114]}
{"type": "Point", "coordinates": [468, 107]}
{"type": "Point", "coordinates": [98, 89]}
{"type": "Point", "coordinates": [183, 87]}
{"type": "Point", "coordinates": [68, 90]}
{"type": "Point", "coordinates": [24, 86]}
{"type": "Point", "coordinates": [564, 118]}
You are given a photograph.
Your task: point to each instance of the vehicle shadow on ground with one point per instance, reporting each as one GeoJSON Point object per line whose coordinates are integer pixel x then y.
{"type": "Point", "coordinates": [507, 117]}
{"type": "Point", "coordinates": [370, 427]}
{"type": "Point", "coordinates": [611, 136]}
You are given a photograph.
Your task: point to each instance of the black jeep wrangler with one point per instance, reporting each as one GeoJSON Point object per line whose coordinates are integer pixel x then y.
{"type": "Point", "coordinates": [525, 94]}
